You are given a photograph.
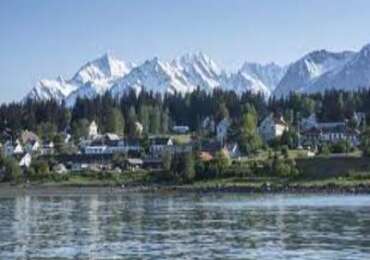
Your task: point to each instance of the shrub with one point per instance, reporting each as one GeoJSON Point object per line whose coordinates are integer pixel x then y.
{"type": "Point", "coordinates": [12, 170]}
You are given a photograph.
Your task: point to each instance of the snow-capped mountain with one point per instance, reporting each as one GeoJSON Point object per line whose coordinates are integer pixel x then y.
{"type": "Point", "coordinates": [242, 82]}
{"type": "Point", "coordinates": [153, 75]}
{"type": "Point", "coordinates": [200, 70]}
{"type": "Point", "coordinates": [97, 77]}
{"type": "Point", "coordinates": [94, 78]}
{"type": "Point", "coordinates": [183, 74]}
{"type": "Point", "coordinates": [57, 89]}
{"type": "Point", "coordinates": [105, 68]}
{"type": "Point", "coordinates": [269, 74]}
{"type": "Point", "coordinates": [302, 74]}
{"type": "Point", "coordinates": [352, 75]}
{"type": "Point", "coordinates": [316, 71]}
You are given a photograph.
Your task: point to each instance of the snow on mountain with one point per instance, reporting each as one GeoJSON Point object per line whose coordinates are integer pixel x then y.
{"type": "Point", "coordinates": [269, 74]}
{"type": "Point", "coordinates": [105, 68]}
{"type": "Point", "coordinates": [242, 82]}
{"type": "Point", "coordinates": [153, 75]}
{"type": "Point", "coordinates": [301, 74]}
{"type": "Point", "coordinates": [92, 79]}
{"type": "Point", "coordinates": [200, 70]}
{"type": "Point", "coordinates": [316, 71]}
{"type": "Point", "coordinates": [352, 75]}
{"type": "Point", "coordinates": [57, 89]}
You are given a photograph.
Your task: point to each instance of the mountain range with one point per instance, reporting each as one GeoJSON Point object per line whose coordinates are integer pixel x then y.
{"type": "Point", "coordinates": [315, 72]}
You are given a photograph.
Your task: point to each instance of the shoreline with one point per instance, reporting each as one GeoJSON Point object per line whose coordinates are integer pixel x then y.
{"type": "Point", "coordinates": [10, 190]}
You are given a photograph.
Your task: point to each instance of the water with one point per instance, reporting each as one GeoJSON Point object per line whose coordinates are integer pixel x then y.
{"type": "Point", "coordinates": [185, 226]}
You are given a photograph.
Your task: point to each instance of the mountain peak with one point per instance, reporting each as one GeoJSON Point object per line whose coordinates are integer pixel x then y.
{"type": "Point", "coordinates": [106, 67]}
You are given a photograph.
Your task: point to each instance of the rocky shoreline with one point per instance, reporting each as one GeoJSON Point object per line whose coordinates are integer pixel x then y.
{"type": "Point", "coordinates": [12, 190]}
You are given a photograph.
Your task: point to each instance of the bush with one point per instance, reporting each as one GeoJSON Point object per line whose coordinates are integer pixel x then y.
{"type": "Point", "coordinates": [325, 150]}
{"type": "Point", "coordinates": [285, 168]}
{"type": "Point", "coordinates": [12, 170]}
{"type": "Point", "coordinates": [39, 170]}
{"type": "Point", "coordinates": [341, 147]}
{"type": "Point", "coordinates": [285, 151]}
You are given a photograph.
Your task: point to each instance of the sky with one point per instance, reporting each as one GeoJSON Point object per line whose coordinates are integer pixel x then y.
{"type": "Point", "coordinates": [46, 38]}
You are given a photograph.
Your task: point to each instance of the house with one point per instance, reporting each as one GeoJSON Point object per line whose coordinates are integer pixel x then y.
{"type": "Point", "coordinates": [25, 161]}
{"type": "Point", "coordinates": [111, 145]}
{"type": "Point", "coordinates": [93, 130]}
{"type": "Point", "coordinates": [309, 122]}
{"type": "Point", "coordinates": [158, 145]}
{"type": "Point", "coordinates": [18, 148]}
{"type": "Point", "coordinates": [77, 167]}
{"type": "Point", "coordinates": [233, 150]}
{"type": "Point", "coordinates": [8, 148]}
{"type": "Point", "coordinates": [359, 118]}
{"type": "Point", "coordinates": [125, 145]}
{"type": "Point", "coordinates": [181, 129]}
{"type": "Point", "coordinates": [60, 168]}
{"type": "Point", "coordinates": [222, 129]}
{"type": "Point", "coordinates": [139, 128]}
{"type": "Point", "coordinates": [180, 148]}
{"type": "Point", "coordinates": [312, 122]}
{"type": "Point", "coordinates": [32, 146]}
{"type": "Point", "coordinates": [134, 163]}
{"type": "Point", "coordinates": [29, 137]}
{"type": "Point", "coordinates": [208, 124]}
{"type": "Point", "coordinates": [330, 135]}
{"type": "Point", "coordinates": [96, 149]}
{"type": "Point", "coordinates": [272, 127]}
{"type": "Point", "coordinates": [47, 148]}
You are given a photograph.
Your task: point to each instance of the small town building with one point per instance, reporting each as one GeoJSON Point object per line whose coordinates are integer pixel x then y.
{"type": "Point", "coordinates": [29, 137]}
{"type": "Point", "coordinates": [208, 124]}
{"type": "Point", "coordinates": [139, 128]}
{"type": "Point", "coordinates": [47, 148]}
{"type": "Point", "coordinates": [181, 129]}
{"type": "Point", "coordinates": [18, 148]}
{"type": "Point", "coordinates": [32, 146]}
{"type": "Point", "coordinates": [272, 127]}
{"type": "Point", "coordinates": [93, 130]}
{"type": "Point", "coordinates": [111, 145]}
{"type": "Point", "coordinates": [158, 145]}
{"type": "Point", "coordinates": [60, 168]}
{"type": "Point", "coordinates": [222, 130]}
{"type": "Point", "coordinates": [25, 160]}
{"type": "Point", "coordinates": [330, 135]}
{"type": "Point", "coordinates": [134, 164]}
{"type": "Point", "coordinates": [233, 150]}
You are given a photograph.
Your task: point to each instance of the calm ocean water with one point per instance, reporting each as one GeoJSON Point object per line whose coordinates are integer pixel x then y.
{"type": "Point", "coordinates": [185, 226]}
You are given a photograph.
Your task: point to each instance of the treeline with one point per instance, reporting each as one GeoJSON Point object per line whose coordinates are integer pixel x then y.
{"type": "Point", "coordinates": [158, 113]}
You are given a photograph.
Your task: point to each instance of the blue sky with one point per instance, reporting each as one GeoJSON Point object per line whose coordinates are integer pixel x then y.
{"type": "Point", "coordinates": [44, 39]}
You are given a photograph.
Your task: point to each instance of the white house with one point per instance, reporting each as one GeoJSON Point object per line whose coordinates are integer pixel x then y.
{"type": "Point", "coordinates": [96, 149]}
{"type": "Point", "coordinates": [208, 124]}
{"type": "Point", "coordinates": [93, 130]}
{"type": "Point", "coordinates": [113, 146]}
{"type": "Point", "coordinates": [159, 144]}
{"type": "Point", "coordinates": [18, 148]}
{"type": "Point", "coordinates": [272, 127]}
{"type": "Point", "coordinates": [181, 129]}
{"type": "Point", "coordinates": [222, 129]}
{"type": "Point", "coordinates": [139, 128]}
{"type": "Point", "coordinates": [25, 161]}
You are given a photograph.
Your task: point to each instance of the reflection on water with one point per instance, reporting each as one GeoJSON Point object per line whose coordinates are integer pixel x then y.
{"type": "Point", "coordinates": [149, 226]}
